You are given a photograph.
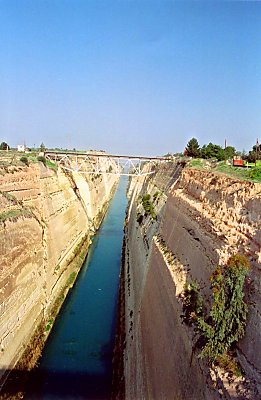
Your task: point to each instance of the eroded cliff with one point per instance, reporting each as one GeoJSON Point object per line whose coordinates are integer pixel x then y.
{"type": "Point", "coordinates": [202, 218]}
{"type": "Point", "coordinates": [47, 218]}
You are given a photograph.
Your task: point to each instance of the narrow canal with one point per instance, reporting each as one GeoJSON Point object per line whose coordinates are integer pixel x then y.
{"type": "Point", "coordinates": [77, 360]}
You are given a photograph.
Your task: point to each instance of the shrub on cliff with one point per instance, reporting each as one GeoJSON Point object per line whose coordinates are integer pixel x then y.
{"type": "Point", "coordinates": [42, 159]}
{"type": "Point", "coordinates": [24, 160]}
{"type": "Point", "coordinates": [227, 320]}
{"type": "Point", "coordinates": [148, 206]}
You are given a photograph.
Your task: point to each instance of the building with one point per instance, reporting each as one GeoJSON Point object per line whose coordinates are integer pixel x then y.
{"type": "Point", "coordinates": [21, 148]}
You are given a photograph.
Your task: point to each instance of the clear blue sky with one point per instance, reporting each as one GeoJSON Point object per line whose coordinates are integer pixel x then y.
{"type": "Point", "coordinates": [137, 77]}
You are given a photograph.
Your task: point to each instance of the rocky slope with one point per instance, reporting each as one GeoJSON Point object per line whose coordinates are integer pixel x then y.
{"type": "Point", "coordinates": [202, 219]}
{"type": "Point", "coordinates": [47, 218]}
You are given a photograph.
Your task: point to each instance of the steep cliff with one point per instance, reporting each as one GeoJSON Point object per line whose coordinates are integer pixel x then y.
{"type": "Point", "coordinates": [47, 218]}
{"type": "Point", "coordinates": [192, 221]}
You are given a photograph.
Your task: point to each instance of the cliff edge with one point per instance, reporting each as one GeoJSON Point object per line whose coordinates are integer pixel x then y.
{"type": "Point", "coordinates": [180, 225]}
{"type": "Point", "coordinates": [47, 219]}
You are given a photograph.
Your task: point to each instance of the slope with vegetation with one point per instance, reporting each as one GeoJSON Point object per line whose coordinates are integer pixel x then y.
{"type": "Point", "coordinates": [191, 287]}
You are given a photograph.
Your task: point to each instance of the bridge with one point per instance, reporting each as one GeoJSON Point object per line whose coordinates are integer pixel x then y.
{"type": "Point", "coordinates": [103, 163]}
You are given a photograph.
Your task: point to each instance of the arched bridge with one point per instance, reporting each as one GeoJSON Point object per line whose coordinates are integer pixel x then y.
{"type": "Point", "coordinates": [103, 163]}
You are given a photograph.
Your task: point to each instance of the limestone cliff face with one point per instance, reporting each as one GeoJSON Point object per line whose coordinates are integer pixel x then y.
{"type": "Point", "coordinates": [47, 219]}
{"type": "Point", "coordinates": [202, 219]}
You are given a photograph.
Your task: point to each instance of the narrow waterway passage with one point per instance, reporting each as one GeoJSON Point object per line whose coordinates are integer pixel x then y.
{"type": "Point", "coordinates": [77, 359]}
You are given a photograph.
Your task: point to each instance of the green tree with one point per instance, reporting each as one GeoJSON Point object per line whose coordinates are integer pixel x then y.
{"type": "Point", "coordinates": [213, 151]}
{"type": "Point", "coordinates": [227, 321]}
{"type": "Point", "coordinates": [42, 147]}
{"type": "Point", "coordinates": [229, 152]}
{"type": "Point", "coordinates": [243, 154]}
{"type": "Point", "coordinates": [255, 153]}
{"type": "Point", "coordinates": [4, 146]}
{"type": "Point", "coordinates": [192, 148]}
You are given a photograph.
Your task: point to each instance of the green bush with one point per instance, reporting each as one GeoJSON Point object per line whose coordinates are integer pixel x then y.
{"type": "Point", "coordinates": [13, 214]}
{"type": "Point", "coordinates": [227, 320]}
{"type": "Point", "coordinates": [42, 159]}
{"type": "Point", "coordinates": [148, 206]}
{"type": "Point", "coordinates": [24, 160]}
{"type": "Point", "coordinates": [255, 173]}
{"type": "Point", "coordinates": [192, 303]}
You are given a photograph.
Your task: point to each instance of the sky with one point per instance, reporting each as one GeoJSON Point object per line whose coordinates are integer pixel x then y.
{"type": "Point", "coordinates": [130, 77]}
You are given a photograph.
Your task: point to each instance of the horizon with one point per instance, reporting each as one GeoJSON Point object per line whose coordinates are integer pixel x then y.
{"type": "Point", "coordinates": [130, 77]}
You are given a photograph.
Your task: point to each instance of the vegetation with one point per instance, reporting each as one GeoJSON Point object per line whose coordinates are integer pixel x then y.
{"type": "Point", "coordinates": [255, 173]}
{"type": "Point", "coordinates": [25, 160]}
{"type": "Point", "coordinates": [254, 154]}
{"type": "Point", "coordinates": [148, 206]}
{"type": "Point", "coordinates": [42, 159]}
{"type": "Point", "coordinates": [156, 196]}
{"type": "Point", "coordinates": [192, 148]}
{"type": "Point", "coordinates": [71, 279]}
{"type": "Point", "coordinates": [250, 174]}
{"type": "Point", "coordinates": [215, 151]}
{"type": "Point", "coordinates": [49, 324]}
{"type": "Point", "coordinates": [4, 146]}
{"type": "Point", "coordinates": [226, 322]}
{"type": "Point", "coordinates": [12, 214]}
{"type": "Point", "coordinates": [42, 147]}
{"type": "Point", "coordinates": [192, 303]}
{"type": "Point", "coordinates": [212, 151]}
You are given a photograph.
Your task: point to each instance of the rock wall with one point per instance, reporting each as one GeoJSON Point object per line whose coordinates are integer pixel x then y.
{"type": "Point", "coordinates": [202, 219]}
{"type": "Point", "coordinates": [47, 218]}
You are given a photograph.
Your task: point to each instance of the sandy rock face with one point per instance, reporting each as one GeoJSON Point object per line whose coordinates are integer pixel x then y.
{"type": "Point", "coordinates": [202, 219]}
{"type": "Point", "coordinates": [46, 217]}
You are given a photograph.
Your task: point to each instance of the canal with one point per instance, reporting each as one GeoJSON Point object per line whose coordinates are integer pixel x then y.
{"type": "Point", "coordinates": [77, 359]}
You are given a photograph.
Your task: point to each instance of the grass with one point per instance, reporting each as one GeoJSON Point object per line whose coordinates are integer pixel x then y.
{"type": "Point", "coordinates": [12, 214]}
{"type": "Point", "coordinates": [15, 158]}
{"type": "Point", "coordinates": [249, 174]}
{"type": "Point", "coordinates": [71, 279]}
{"type": "Point", "coordinates": [196, 163]}
{"type": "Point", "coordinates": [252, 174]}
{"type": "Point", "coordinates": [51, 165]}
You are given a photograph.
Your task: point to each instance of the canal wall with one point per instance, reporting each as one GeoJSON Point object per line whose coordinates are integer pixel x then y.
{"type": "Point", "coordinates": [197, 220]}
{"type": "Point", "coordinates": [47, 219]}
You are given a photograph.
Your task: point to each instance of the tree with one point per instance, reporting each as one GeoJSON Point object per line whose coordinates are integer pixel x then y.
{"type": "Point", "coordinates": [192, 148]}
{"type": "Point", "coordinates": [228, 313]}
{"type": "Point", "coordinates": [243, 154]}
{"type": "Point", "coordinates": [213, 151]}
{"type": "Point", "coordinates": [255, 153]}
{"type": "Point", "coordinates": [42, 147]}
{"type": "Point", "coordinates": [4, 146]}
{"type": "Point", "coordinates": [229, 152]}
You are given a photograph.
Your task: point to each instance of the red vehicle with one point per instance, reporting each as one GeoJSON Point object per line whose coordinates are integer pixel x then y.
{"type": "Point", "coordinates": [238, 163]}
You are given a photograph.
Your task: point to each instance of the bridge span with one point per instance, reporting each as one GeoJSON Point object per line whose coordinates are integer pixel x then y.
{"type": "Point", "coordinates": [103, 163]}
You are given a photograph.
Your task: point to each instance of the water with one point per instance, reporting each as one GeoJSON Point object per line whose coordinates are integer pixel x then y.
{"type": "Point", "coordinates": [77, 359]}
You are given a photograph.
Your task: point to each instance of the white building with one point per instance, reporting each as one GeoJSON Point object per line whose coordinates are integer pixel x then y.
{"type": "Point", "coordinates": [21, 148]}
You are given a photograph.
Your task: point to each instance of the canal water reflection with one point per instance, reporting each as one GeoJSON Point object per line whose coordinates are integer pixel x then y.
{"type": "Point", "coordinates": [77, 360]}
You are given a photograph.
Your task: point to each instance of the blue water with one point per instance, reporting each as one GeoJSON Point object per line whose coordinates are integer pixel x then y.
{"type": "Point", "coordinates": [77, 359]}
